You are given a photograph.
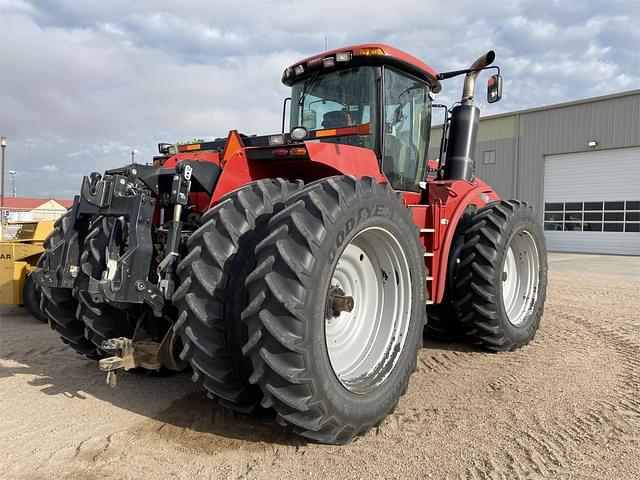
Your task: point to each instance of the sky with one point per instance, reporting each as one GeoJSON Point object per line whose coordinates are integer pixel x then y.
{"type": "Point", "coordinates": [82, 83]}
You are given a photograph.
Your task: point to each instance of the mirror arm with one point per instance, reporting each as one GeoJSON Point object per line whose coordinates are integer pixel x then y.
{"type": "Point", "coordinates": [455, 73]}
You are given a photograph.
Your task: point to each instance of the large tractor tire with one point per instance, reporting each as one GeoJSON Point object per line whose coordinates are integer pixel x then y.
{"type": "Point", "coordinates": [502, 278]}
{"type": "Point", "coordinates": [31, 299]}
{"type": "Point", "coordinates": [60, 305]}
{"type": "Point", "coordinates": [212, 293]}
{"type": "Point", "coordinates": [336, 308]}
{"type": "Point", "coordinates": [101, 320]}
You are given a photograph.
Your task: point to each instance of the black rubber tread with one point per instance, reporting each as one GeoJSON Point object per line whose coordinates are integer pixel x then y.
{"type": "Point", "coordinates": [211, 294]}
{"type": "Point", "coordinates": [443, 324]}
{"type": "Point", "coordinates": [101, 320]}
{"type": "Point", "coordinates": [289, 358]}
{"type": "Point", "coordinates": [31, 299]}
{"type": "Point", "coordinates": [59, 304]}
{"type": "Point", "coordinates": [478, 289]}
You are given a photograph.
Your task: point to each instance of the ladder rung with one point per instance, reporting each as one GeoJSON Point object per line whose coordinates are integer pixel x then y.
{"type": "Point", "coordinates": [428, 254]}
{"type": "Point", "coordinates": [429, 302]}
{"type": "Point", "coordinates": [429, 278]}
{"type": "Point", "coordinates": [427, 230]}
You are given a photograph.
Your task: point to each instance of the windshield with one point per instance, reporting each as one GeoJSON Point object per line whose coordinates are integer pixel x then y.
{"type": "Point", "coordinates": [26, 231]}
{"type": "Point", "coordinates": [337, 99]}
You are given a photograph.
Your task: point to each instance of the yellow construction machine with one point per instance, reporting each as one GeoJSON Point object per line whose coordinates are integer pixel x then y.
{"type": "Point", "coordinates": [19, 255]}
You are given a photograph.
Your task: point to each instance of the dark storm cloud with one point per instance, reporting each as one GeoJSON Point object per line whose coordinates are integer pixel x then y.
{"type": "Point", "coordinates": [82, 83]}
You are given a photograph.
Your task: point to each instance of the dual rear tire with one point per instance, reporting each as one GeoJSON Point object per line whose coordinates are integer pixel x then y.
{"type": "Point", "coordinates": [329, 374]}
{"type": "Point", "coordinates": [333, 303]}
{"type": "Point", "coordinates": [496, 290]}
{"type": "Point", "coordinates": [501, 283]}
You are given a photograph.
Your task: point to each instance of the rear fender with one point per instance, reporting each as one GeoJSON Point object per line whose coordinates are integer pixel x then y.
{"type": "Point", "coordinates": [452, 198]}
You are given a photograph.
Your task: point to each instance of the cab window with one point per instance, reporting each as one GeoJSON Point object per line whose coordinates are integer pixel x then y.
{"type": "Point", "coordinates": [337, 99]}
{"type": "Point", "coordinates": [407, 123]}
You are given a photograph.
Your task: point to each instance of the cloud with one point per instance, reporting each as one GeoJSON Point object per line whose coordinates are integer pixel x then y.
{"type": "Point", "coordinates": [83, 83]}
{"type": "Point", "coordinates": [49, 168]}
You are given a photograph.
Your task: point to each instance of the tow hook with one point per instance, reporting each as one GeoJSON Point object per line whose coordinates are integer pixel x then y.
{"type": "Point", "coordinates": [128, 355]}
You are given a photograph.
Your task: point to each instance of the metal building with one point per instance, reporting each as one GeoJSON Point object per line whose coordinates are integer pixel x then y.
{"type": "Point", "coordinates": [578, 163]}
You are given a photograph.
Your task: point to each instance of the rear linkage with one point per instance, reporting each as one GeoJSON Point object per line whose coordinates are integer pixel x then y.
{"type": "Point", "coordinates": [137, 197]}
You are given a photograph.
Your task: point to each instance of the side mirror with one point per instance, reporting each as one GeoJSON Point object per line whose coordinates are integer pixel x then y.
{"type": "Point", "coordinates": [494, 88]}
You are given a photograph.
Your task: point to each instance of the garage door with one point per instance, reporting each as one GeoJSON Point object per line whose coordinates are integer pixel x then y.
{"type": "Point", "coordinates": [592, 201]}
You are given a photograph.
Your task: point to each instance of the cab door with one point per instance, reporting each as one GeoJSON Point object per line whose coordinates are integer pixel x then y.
{"type": "Point", "coordinates": [406, 127]}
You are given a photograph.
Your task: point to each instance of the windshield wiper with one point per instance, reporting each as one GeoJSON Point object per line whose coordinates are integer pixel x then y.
{"type": "Point", "coordinates": [306, 89]}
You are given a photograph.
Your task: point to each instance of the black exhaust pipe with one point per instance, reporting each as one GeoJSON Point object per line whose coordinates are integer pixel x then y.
{"type": "Point", "coordinates": [463, 133]}
{"type": "Point", "coordinates": [463, 130]}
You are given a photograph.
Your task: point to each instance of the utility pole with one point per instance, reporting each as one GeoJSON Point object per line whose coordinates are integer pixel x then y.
{"type": "Point", "coordinates": [13, 181]}
{"type": "Point", "coordinates": [3, 144]}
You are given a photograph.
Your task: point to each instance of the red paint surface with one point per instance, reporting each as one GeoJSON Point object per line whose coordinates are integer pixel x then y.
{"type": "Point", "coordinates": [323, 160]}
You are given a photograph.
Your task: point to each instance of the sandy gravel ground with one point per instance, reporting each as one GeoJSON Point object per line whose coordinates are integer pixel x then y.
{"type": "Point", "coordinates": [566, 406]}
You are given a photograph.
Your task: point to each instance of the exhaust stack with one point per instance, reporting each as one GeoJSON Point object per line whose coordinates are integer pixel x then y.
{"type": "Point", "coordinates": [470, 79]}
{"type": "Point", "coordinates": [463, 129]}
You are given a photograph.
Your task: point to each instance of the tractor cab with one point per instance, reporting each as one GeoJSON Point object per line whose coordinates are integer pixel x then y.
{"type": "Point", "coordinates": [374, 85]}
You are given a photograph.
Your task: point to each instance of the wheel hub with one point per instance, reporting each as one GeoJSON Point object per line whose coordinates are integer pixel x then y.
{"type": "Point", "coordinates": [368, 309]}
{"type": "Point", "coordinates": [338, 302]}
{"type": "Point", "coordinates": [520, 276]}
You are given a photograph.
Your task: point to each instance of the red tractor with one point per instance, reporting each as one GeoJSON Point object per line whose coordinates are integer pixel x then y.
{"type": "Point", "coordinates": [296, 272]}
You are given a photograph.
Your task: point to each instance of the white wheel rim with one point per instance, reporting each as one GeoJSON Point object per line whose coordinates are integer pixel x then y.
{"type": "Point", "coordinates": [365, 344]}
{"type": "Point", "coordinates": [520, 277]}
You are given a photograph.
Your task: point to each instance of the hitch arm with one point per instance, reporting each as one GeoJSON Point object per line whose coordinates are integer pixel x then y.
{"type": "Point", "coordinates": [179, 196]}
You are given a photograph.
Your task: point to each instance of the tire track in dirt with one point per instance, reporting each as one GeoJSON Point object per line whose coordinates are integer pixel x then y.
{"type": "Point", "coordinates": [442, 362]}
{"type": "Point", "coordinates": [550, 446]}
{"type": "Point", "coordinates": [34, 354]}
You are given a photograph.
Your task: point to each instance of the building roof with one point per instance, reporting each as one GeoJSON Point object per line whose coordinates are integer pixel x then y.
{"type": "Point", "coordinates": [31, 203]}
{"type": "Point", "coordinates": [566, 104]}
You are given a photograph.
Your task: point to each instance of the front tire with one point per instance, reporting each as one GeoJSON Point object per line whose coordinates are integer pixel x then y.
{"type": "Point", "coordinates": [502, 278]}
{"type": "Point", "coordinates": [332, 369]}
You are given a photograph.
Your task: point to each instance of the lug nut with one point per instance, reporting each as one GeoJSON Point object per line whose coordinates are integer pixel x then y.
{"type": "Point", "coordinates": [140, 285]}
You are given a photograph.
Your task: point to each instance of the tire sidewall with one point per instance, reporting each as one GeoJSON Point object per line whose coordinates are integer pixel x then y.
{"type": "Point", "coordinates": [362, 213]}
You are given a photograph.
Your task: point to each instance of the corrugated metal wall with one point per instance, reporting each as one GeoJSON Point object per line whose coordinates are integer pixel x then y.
{"type": "Point", "coordinates": [522, 139]}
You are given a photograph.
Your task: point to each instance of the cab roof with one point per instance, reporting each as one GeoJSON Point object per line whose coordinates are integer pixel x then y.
{"type": "Point", "coordinates": [365, 54]}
